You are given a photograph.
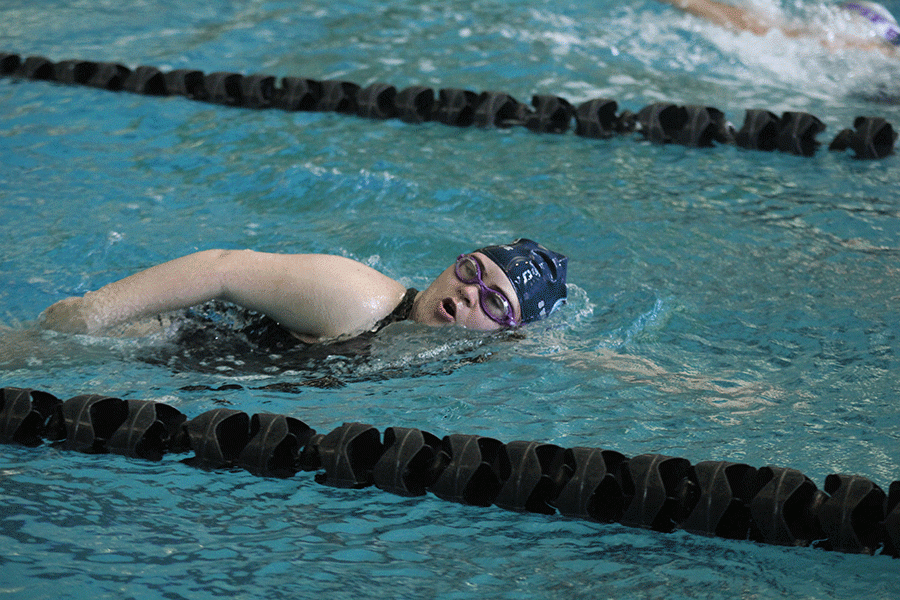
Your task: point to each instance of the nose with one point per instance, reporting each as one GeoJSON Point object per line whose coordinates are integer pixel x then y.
{"type": "Point", "coordinates": [469, 294]}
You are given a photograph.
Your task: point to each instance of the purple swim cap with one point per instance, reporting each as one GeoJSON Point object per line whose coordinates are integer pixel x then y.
{"type": "Point", "coordinates": [537, 274]}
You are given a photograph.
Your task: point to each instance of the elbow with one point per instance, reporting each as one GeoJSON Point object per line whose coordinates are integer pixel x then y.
{"type": "Point", "coordinates": [216, 265]}
{"type": "Point", "coordinates": [227, 267]}
{"type": "Point", "coordinates": [218, 255]}
{"type": "Point", "coordinates": [224, 259]}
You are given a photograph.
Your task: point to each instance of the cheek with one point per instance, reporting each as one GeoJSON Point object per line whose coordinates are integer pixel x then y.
{"type": "Point", "coordinates": [443, 284]}
{"type": "Point", "coordinates": [478, 321]}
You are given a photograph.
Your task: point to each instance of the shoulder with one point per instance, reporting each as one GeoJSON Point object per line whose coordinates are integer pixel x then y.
{"type": "Point", "coordinates": [348, 297]}
{"type": "Point", "coordinates": [316, 296]}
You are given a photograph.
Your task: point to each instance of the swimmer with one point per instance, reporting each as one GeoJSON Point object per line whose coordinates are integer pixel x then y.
{"type": "Point", "coordinates": [323, 297]}
{"type": "Point", "coordinates": [878, 29]}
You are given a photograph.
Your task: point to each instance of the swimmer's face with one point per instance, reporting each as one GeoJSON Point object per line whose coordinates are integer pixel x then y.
{"type": "Point", "coordinates": [449, 301]}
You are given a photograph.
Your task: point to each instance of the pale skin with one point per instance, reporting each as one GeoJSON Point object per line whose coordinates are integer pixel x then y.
{"type": "Point", "coordinates": [314, 296]}
{"type": "Point", "coordinates": [725, 15]}
{"type": "Point", "coordinates": [739, 19]}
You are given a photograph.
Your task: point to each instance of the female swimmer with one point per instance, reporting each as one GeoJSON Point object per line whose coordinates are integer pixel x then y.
{"type": "Point", "coordinates": [322, 297]}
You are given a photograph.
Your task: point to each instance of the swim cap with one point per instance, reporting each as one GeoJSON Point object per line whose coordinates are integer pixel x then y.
{"type": "Point", "coordinates": [883, 22]}
{"type": "Point", "coordinates": [537, 274]}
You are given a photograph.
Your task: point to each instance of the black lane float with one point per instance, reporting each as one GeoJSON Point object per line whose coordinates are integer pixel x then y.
{"type": "Point", "coordinates": [662, 123]}
{"type": "Point", "coordinates": [770, 504]}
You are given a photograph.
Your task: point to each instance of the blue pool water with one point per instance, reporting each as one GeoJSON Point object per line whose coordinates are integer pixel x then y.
{"type": "Point", "coordinates": [724, 304]}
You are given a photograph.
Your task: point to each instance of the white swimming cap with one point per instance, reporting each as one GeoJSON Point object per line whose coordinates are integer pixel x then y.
{"type": "Point", "coordinates": [883, 22]}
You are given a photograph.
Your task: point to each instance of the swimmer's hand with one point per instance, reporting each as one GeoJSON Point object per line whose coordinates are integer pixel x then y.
{"type": "Point", "coordinates": [67, 316]}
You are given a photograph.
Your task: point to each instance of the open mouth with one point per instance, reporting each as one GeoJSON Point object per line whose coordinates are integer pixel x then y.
{"type": "Point", "coordinates": [448, 307]}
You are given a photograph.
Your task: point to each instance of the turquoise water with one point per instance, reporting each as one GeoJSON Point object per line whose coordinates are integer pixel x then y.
{"type": "Point", "coordinates": [725, 304]}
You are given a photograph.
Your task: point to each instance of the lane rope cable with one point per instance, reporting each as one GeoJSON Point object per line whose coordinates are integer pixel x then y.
{"type": "Point", "coordinates": [661, 122]}
{"type": "Point", "coordinates": [771, 504]}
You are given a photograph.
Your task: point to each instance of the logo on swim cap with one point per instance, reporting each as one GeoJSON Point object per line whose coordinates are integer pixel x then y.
{"type": "Point", "coordinates": [883, 22]}
{"type": "Point", "coordinates": [537, 274]}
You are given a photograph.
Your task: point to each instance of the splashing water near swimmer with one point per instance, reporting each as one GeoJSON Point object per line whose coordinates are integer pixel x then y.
{"type": "Point", "coordinates": [825, 49]}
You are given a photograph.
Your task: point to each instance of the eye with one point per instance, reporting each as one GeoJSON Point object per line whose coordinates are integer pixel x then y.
{"type": "Point", "coordinates": [496, 304]}
{"type": "Point", "coordinates": [468, 268]}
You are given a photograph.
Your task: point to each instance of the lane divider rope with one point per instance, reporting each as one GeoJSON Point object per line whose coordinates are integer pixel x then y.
{"type": "Point", "coordinates": [661, 123]}
{"type": "Point", "coordinates": [770, 504]}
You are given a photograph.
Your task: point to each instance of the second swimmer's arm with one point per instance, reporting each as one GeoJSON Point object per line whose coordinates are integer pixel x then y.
{"type": "Point", "coordinates": [741, 19]}
{"type": "Point", "coordinates": [725, 15]}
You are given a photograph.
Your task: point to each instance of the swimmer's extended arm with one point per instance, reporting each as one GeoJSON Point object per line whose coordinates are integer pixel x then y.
{"type": "Point", "coordinates": [725, 15]}
{"type": "Point", "coordinates": [738, 19]}
{"type": "Point", "coordinates": [313, 295]}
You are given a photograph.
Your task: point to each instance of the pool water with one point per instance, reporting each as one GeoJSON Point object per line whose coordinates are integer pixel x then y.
{"type": "Point", "coordinates": [725, 304]}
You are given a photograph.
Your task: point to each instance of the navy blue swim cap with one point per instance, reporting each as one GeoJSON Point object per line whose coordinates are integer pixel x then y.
{"type": "Point", "coordinates": [537, 274]}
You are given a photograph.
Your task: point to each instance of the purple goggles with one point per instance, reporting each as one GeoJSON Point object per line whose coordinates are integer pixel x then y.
{"type": "Point", "coordinates": [493, 302]}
